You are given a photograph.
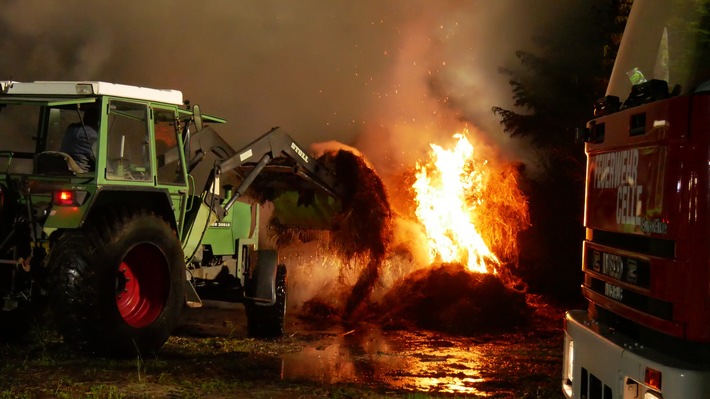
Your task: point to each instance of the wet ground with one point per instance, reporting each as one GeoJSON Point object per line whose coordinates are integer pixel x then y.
{"type": "Point", "coordinates": [523, 363]}
{"type": "Point", "coordinates": [210, 356]}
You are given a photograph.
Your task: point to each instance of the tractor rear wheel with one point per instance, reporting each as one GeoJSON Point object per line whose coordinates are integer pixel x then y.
{"type": "Point", "coordinates": [119, 286]}
{"type": "Point", "coordinates": [267, 321]}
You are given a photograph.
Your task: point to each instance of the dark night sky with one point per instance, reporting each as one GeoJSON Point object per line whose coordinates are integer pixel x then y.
{"type": "Point", "coordinates": [385, 76]}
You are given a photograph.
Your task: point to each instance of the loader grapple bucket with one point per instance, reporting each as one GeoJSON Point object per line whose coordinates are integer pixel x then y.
{"type": "Point", "coordinates": [299, 200]}
{"type": "Point", "coordinates": [275, 168]}
{"type": "Point", "coordinates": [319, 213]}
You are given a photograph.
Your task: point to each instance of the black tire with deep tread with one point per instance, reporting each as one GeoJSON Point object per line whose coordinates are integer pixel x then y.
{"type": "Point", "coordinates": [267, 321]}
{"type": "Point", "coordinates": [83, 266]}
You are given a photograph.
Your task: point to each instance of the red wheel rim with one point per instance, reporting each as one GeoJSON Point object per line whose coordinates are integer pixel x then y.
{"type": "Point", "coordinates": [142, 285]}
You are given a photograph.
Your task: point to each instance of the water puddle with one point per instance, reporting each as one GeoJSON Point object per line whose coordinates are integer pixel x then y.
{"type": "Point", "coordinates": [399, 359]}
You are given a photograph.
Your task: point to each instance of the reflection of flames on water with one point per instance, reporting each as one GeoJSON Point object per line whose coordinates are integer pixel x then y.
{"type": "Point", "coordinates": [421, 362]}
{"type": "Point", "coordinates": [460, 202]}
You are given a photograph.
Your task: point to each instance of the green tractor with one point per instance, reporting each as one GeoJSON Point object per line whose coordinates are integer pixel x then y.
{"type": "Point", "coordinates": [120, 205]}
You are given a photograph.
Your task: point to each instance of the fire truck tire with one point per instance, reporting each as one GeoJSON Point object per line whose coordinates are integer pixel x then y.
{"type": "Point", "coordinates": [118, 284]}
{"type": "Point", "coordinates": [267, 321]}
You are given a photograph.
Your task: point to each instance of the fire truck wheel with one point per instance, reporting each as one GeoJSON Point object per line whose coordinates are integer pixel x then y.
{"type": "Point", "coordinates": [267, 321]}
{"type": "Point", "coordinates": [119, 286]}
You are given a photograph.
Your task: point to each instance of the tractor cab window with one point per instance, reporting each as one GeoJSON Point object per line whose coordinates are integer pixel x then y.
{"type": "Point", "coordinates": [59, 122]}
{"type": "Point", "coordinates": [167, 150]}
{"type": "Point", "coordinates": [128, 148]}
{"type": "Point", "coordinates": [33, 128]}
{"type": "Point", "coordinates": [18, 128]}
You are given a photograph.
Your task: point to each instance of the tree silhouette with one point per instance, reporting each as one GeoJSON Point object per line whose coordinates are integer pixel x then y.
{"type": "Point", "coordinates": [554, 93]}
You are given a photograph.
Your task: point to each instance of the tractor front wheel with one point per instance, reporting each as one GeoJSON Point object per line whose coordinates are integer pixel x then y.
{"type": "Point", "coordinates": [119, 286]}
{"type": "Point", "coordinates": [267, 321]}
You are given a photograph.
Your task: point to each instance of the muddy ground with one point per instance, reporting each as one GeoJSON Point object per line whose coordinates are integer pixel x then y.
{"type": "Point", "coordinates": [209, 356]}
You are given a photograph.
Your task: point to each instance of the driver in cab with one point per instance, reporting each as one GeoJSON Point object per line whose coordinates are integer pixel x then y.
{"type": "Point", "coordinates": [80, 140]}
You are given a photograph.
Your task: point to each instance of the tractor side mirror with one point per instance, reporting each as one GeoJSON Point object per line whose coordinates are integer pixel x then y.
{"type": "Point", "coordinates": [581, 135]}
{"type": "Point", "coordinates": [197, 116]}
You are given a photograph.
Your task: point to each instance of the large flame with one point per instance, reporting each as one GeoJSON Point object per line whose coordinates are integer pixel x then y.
{"type": "Point", "coordinates": [451, 193]}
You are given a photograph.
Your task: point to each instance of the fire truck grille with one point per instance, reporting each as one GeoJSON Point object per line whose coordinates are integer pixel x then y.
{"type": "Point", "coordinates": [643, 303]}
{"type": "Point", "coordinates": [643, 245]}
{"type": "Point", "coordinates": [593, 388]}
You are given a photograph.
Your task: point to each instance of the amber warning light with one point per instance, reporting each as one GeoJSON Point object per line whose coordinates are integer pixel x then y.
{"type": "Point", "coordinates": [652, 378]}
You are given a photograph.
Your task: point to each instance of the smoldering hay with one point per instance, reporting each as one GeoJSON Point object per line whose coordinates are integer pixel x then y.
{"type": "Point", "coordinates": [362, 231]}
{"type": "Point", "coordinates": [366, 226]}
{"type": "Point", "coordinates": [449, 298]}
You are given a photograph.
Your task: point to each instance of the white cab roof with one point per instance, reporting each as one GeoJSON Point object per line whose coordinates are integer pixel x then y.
{"type": "Point", "coordinates": [83, 88]}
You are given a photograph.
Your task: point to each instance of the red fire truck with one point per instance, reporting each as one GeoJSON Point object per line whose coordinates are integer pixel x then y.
{"type": "Point", "coordinates": [646, 256]}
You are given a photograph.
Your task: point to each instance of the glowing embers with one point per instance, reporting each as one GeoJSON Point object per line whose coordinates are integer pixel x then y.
{"type": "Point", "coordinates": [449, 190]}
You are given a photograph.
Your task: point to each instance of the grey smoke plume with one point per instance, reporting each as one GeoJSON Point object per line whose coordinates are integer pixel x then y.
{"type": "Point", "coordinates": [384, 76]}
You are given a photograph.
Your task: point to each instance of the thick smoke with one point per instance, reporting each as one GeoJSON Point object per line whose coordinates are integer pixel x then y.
{"type": "Point", "coordinates": [378, 75]}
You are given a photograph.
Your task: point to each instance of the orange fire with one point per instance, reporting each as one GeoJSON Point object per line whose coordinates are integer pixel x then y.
{"type": "Point", "coordinates": [465, 207]}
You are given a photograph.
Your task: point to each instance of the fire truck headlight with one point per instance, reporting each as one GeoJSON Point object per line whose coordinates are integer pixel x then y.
{"type": "Point", "coordinates": [569, 369]}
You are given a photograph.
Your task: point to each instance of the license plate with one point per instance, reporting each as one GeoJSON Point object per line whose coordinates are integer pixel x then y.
{"type": "Point", "coordinates": [613, 266]}
{"type": "Point", "coordinates": [613, 292]}
{"type": "Point", "coordinates": [628, 270]}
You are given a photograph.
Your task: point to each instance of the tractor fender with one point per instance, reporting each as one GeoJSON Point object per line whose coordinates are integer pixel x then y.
{"type": "Point", "coordinates": [155, 200]}
{"type": "Point", "coordinates": [261, 285]}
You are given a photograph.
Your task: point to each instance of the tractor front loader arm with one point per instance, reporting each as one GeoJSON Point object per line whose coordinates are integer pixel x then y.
{"type": "Point", "coordinates": [278, 153]}
{"type": "Point", "coordinates": [203, 141]}
{"type": "Point", "coordinates": [274, 167]}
